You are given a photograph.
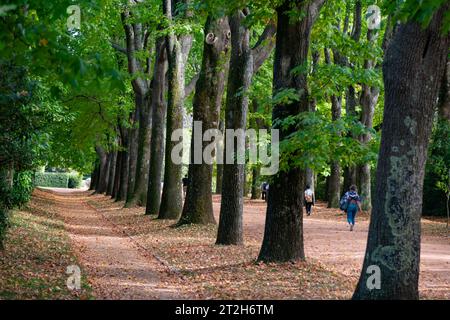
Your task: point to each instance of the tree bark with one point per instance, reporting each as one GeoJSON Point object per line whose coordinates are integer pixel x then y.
{"type": "Point", "coordinates": [103, 170]}
{"type": "Point", "coordinates": [117, 173]}
{"type": "Point", "coordinates": [178, 48]}
{"type": "Point", "coordinates": [350, 172]}
{"type": "Point", "coordinates": [207, 101]}
{"type": "Point", "coordinates": [139, 136]}
{"type": "Point", "coordinates": [111, 173]}
{"type": "Point", "coordinates": [334, 181]}
{"type": "Point", "coordinates": [94, 176]}
{"type": "Point", "coordinates": [413, 65]}
{"type": "Point", "coordinates": [124, 165]}
{"type": "Point", "coordinates": [239, 80]}
{"type": "Point", "coordinates": [157, 144]}
{"type": "Point", "coordinates": [132, 157]}
{"type": "Point", "coordinates": [219, 166]}
{"type": "Point", "coordinates": [139, 195]}
{"type": "Point", "coordinates": [283, 234]}
{"type": "Point", "coordinates": [369, 98]}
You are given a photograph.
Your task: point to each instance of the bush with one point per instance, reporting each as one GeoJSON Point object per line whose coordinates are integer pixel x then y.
{"type": "Point", "coordinates": [49, 179]}
{"type": "Point", "coordinates": [437, 171]}
{"type": "Point", "coordinates": [18, 195]}
{"type": "Point", "coordinates": [22, 189]}
{"type": "Point", "coordinates": [75, 180]}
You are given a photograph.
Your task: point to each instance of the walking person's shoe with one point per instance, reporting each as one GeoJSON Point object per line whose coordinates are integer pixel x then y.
{"type": "Point", "coordinates": [351, 227]}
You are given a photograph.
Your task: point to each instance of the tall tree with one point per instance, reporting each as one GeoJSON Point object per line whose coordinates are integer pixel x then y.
{"type": "Point", "coordinates": [350, 172]}
{"type": "Point", "coordinates": [334, 180]}
{"type": "Point", "coordinates": [242, 64]}
{"type": "Point", "coordinates": [369, 98]}
{"type": "Point", "coordinates": [239, 80]}
{"type": "Point", "coordinates": [283, 234]}
{"type": "Point", "coordinates": [207, 101]}
{"type": "Point", "coordinates": [178, 48]}
{"type": "Point", "coordinates": [137, 42]}
{"type": "Point", "coordinates": [158, 124]}
{"type": "Point", "coordinates": [415, 56]}
{"type": "Point", "coordinates": [102, 181]}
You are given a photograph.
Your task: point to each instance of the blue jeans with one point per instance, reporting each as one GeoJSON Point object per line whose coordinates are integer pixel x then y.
{"type": "Point", "coordinates": [351, 213]}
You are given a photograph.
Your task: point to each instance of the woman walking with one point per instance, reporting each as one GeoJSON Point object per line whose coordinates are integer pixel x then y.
{"type": "Point", "coordinates": [353, 205]}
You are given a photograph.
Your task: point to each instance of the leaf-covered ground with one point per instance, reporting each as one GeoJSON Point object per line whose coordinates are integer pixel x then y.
{"type": "Point", "coordinates": [149, 258]}
{"type": "Point", "coordinates": [206, 271]}
{"type": "Point", "coordinates": [37, 253]}
{"type": "Point", "coordinates": [334, 255]}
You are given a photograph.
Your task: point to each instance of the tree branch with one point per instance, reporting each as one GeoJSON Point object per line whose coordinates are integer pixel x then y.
{"type": "Point", "coordinates": [191, 85]}
{"type": "Point", "coordinates": [118, 47]}
{"type": "Point", "coordinates": [264, 46]}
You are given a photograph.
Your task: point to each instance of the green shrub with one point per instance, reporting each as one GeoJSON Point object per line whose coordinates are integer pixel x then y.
{"type": "Point", "coordinates": [75, 180]}
{"type": "Point", "coordinates": [50, 179]}
{"type": "Point", "coordinates": [22, 188]}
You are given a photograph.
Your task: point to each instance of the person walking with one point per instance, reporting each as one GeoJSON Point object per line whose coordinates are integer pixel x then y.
{"type": "Point", "coordinates": [264, 191]}
{"type": "Point", "coordinates": [185, 184]}
{"type": "Point", "coordinates": [309, 199]}
{"type": "Point", "coordinates": [351, 204]}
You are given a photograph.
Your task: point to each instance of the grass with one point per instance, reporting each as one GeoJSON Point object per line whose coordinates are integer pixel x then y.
{"type": "Point", "coordinates": [37, 253]}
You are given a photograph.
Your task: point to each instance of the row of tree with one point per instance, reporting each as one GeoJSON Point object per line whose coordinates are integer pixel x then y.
{"type": "Point", "coordinates": [316, 70]}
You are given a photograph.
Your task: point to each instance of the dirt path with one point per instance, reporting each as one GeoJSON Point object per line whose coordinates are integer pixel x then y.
{"type": "Point", "coordinates": [116, 268]}
{"type": "Point", "coordinates": [328, 240]}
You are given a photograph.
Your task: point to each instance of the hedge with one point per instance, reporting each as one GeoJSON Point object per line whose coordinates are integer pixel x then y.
{"type": "Point", "coordinates": [50, 179]}
{"type": "Point", "coordinates": [75, 180]}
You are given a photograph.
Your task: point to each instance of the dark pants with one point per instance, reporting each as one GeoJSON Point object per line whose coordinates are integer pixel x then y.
{"type": "Point", "coordinates": [308, 206]}
{"type": "Point", "coordinates": [264, 195]}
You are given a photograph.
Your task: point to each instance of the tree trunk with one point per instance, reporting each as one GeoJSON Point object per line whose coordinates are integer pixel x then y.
{"type": "Point", "coordinates": [256, 186]}
{"type": "Point", "coordinates": [103, 170]}
{"type": "Point", "coordinates": [157, 144]}
{"type": "Point", "coordinates": [94, 176]}
{"type": "Point", "coordinates": [334, 181]}
{"type": "Point", "coordinates": [350, 172]}
{"type": "Point", "coordinates": [178, 48]}
{"type": "Point", "coordinates": [418, 55]}
{"type": "Point", "coordinates": [219, 166]}
{"type": "Point", "coordinates": [239, 80]}
{"type": "Point", "coordinates": [139, 196]}
{"type": "Point", "coordinates": [207, 101]}
{"type": "Point", "coordinates": [283, 234]}
{"type": "Point", "coordinates": [133, 136]}
{"type": "Point", "coordinates": [136, 36]}
{"type": "Point", "coordinates": [112, 172]}
{"type": "Point", "coordinates": [124, 165]}
{"type": "Point", "coordinates": [369, 98]}
{"type": "Point", "coordinates": [117, 173]}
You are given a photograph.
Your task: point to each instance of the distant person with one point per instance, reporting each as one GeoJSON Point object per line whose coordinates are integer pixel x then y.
{"type": "Point", "coordinates": [185, 184]}
{"type": "Point", "coordinates": [264, 190]}
{"type": "Point", "coordinates": [351, 204]}
{"type": "Point", "coordinates": [309, 199]}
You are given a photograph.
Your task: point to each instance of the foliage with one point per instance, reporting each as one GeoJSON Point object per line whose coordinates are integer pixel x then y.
{"type": "Point", "coordinates": [436, 184]}
{"type": "Point", "coordinates": [50, 179]}
{"type": "Point", "coordinates": [316, 141]}
{"type": "Point", "coordinates": [74, 180]}
{"type": "Point", "coordinates": [22, 188]}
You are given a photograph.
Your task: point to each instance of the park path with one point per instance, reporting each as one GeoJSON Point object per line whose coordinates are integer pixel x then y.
{"type": "Point", "coordinates": [116, 268]}
{"type": "Point", "coordinates": [119, 269]}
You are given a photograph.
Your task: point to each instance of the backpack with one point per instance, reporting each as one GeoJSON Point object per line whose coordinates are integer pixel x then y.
{"type": "Point", "coordinates": [309, 196]}
{"type": "Point", "coordinates": [343, 203]}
